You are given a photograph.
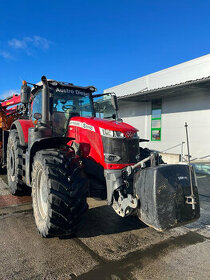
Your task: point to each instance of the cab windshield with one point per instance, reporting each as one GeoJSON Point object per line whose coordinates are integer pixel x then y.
{"type": "Point", "coordinates": [68, 104]}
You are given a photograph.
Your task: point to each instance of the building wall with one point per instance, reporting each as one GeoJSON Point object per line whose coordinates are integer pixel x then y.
{"type": "Point", "coordinates": [136, 114]}
{"type": "Point", "coordinates": [193, 108]}
{"type": "Point", "coordinates": [188, 71]}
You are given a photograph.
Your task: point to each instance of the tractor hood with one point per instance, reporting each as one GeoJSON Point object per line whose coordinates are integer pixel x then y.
{"type": "Point", "coordinates": [95, 123]}
{"type": "Point", "coordinates": [97, 141]}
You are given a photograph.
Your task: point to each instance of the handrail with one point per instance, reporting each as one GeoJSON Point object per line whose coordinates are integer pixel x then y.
{"type": "Point", "coordinates": [181, 144]}
{"type": "Point", "coordinates": [183, 159]}
{"type": "Point", "coordinates": [200, 158]}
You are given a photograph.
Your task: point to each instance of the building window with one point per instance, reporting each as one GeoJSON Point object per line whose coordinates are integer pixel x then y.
{"type": "Point", "coordinates": [156, 121]}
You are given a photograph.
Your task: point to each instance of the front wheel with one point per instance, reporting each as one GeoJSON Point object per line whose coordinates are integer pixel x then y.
{"type": "Point", "coordinates": [59, 192]}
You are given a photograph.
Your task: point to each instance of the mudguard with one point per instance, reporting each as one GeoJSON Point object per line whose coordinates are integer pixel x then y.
{"type": "Point", "coordinates": [162, 192]}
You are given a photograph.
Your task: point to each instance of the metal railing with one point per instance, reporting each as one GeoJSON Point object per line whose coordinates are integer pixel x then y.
{"type": "Point", "coordinates": [201, 158]}
{"type": "Point", "coordinates": [182, 150]}
{"type": "Point", "coordinates": [183, 157]}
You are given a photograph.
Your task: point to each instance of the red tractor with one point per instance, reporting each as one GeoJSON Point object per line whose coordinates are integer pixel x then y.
{"type": "Point", "coordinates": [71, 145]}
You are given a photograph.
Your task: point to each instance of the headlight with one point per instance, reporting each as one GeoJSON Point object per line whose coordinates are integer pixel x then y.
{"type": "Point", "coordinates": [111, 133]}
{"type": "Point", "coordinates": [118, 134]}
{"type": "Point", "coordinates": [131, 134]}
{"type": "Point", "coordinates": [109, 158]}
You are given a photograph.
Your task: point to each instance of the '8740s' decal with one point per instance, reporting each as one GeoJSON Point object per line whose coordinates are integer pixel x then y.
{"type": "Point", "coordinates": [82, 125]}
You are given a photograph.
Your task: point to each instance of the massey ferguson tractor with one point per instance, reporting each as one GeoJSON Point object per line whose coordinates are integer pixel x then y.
{"type": "Point", "coordinates": [71, 145]}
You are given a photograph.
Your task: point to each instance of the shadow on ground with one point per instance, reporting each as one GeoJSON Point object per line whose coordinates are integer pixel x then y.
{"type": "Point", "coordinates": [122, 269]}
{"type": "Point", "coordinates": [102, 220]}
{"type": "Point", "coordinates": [27, 190]}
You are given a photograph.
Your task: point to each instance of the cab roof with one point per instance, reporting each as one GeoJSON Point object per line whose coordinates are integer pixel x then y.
{"type": "Point", "coordinates": [55, 83]}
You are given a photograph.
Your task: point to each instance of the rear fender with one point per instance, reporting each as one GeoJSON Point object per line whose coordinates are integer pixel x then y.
{"type": "Point", "coordinates": [18, 126]}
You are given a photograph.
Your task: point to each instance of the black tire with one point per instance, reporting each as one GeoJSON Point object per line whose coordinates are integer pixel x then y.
{"type": "Point", "coordinates": [16, 185]}
{"type": "Point", "coordinates": [59, 191]}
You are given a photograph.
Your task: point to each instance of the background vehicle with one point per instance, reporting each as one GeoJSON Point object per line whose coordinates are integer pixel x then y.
{"type": "Point", "coordinates": [65, 153]}
{"type": "Point", "coordinates": [8, 114]}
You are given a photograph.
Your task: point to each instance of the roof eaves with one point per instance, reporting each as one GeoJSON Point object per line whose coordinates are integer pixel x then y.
{"type": "Point", "coordinates": [147, 92]}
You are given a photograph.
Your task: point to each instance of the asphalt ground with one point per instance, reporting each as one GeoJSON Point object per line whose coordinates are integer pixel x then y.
{"type": "Point", "coordinates": [106, 247]}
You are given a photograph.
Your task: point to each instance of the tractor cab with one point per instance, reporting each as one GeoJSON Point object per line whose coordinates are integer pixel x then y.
{"type": "Point", "coordinates": [64, 101]}
{"type": "Point", "coordinates": [59, 102]}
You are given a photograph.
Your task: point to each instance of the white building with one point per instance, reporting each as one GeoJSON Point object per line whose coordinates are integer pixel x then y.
{"type": "Point", "coordinates": [159, 104]}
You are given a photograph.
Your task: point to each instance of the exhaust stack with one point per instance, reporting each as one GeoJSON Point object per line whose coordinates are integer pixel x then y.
{"type": "Point", "coordinates": [45, 101]}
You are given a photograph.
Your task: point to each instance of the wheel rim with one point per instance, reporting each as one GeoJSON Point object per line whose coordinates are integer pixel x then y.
{"type": "Point", "coordinates": [12, 164]}
{"type": "Point", "coordinates": [42, 194]}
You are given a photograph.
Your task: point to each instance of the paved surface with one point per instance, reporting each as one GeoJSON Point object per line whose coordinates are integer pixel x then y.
{"type": "Point", "coordinates": [106, 247]}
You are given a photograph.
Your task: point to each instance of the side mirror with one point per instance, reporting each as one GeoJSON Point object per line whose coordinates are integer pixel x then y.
{"type": "Point", "coordinates": [37, 116]}
{"type": "Point", "coordinates": [114, 102]}
{"type": "Point", "coordinates": [114, 116]}
{"type": "Point", "coordinates": [25, 93]}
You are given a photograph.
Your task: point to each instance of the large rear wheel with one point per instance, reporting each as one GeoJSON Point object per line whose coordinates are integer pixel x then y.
{"type": "Point", "coordinates": [16, 185]}
{"type": "Point", "coordinates": [59, 191]}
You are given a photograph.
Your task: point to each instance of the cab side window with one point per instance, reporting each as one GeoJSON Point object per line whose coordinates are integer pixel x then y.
{"type": "Point", "coordinates": [37, 104]}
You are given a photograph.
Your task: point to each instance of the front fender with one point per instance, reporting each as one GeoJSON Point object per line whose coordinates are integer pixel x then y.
{"type": "Point", "coordinates": [42, 144]}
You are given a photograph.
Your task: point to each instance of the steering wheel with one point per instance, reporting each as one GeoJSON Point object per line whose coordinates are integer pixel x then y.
{"type": "Point", "coordinates": [68, 107]}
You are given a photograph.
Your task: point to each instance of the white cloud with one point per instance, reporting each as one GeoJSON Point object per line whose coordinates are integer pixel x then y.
{"type": "Point", "coordinates": [27, 44]}
{"type": "Point", "coordinates": [41, 43]}
{"type": "Point", "coordinates": [5, 54]}
{"type": "Point", "coordinates": [17, 44]}
{"type": "Point", "coordinates": [8, 93]}
{"type": "Point", "coordinates": [35, 41]}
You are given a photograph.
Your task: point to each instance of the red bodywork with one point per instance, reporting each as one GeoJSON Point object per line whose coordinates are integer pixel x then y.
{"type": "Point", "coordinates": [7, 116]}
{"type": "Point", "coordinates": [13, 101]}
{"type": "Point", "coordinates": [26, 124]}
{"type": "Point", "coordinates": [87, 133]}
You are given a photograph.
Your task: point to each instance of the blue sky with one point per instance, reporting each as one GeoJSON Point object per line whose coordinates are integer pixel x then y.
{"type": "Point", "coordinates": [98, 42]}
